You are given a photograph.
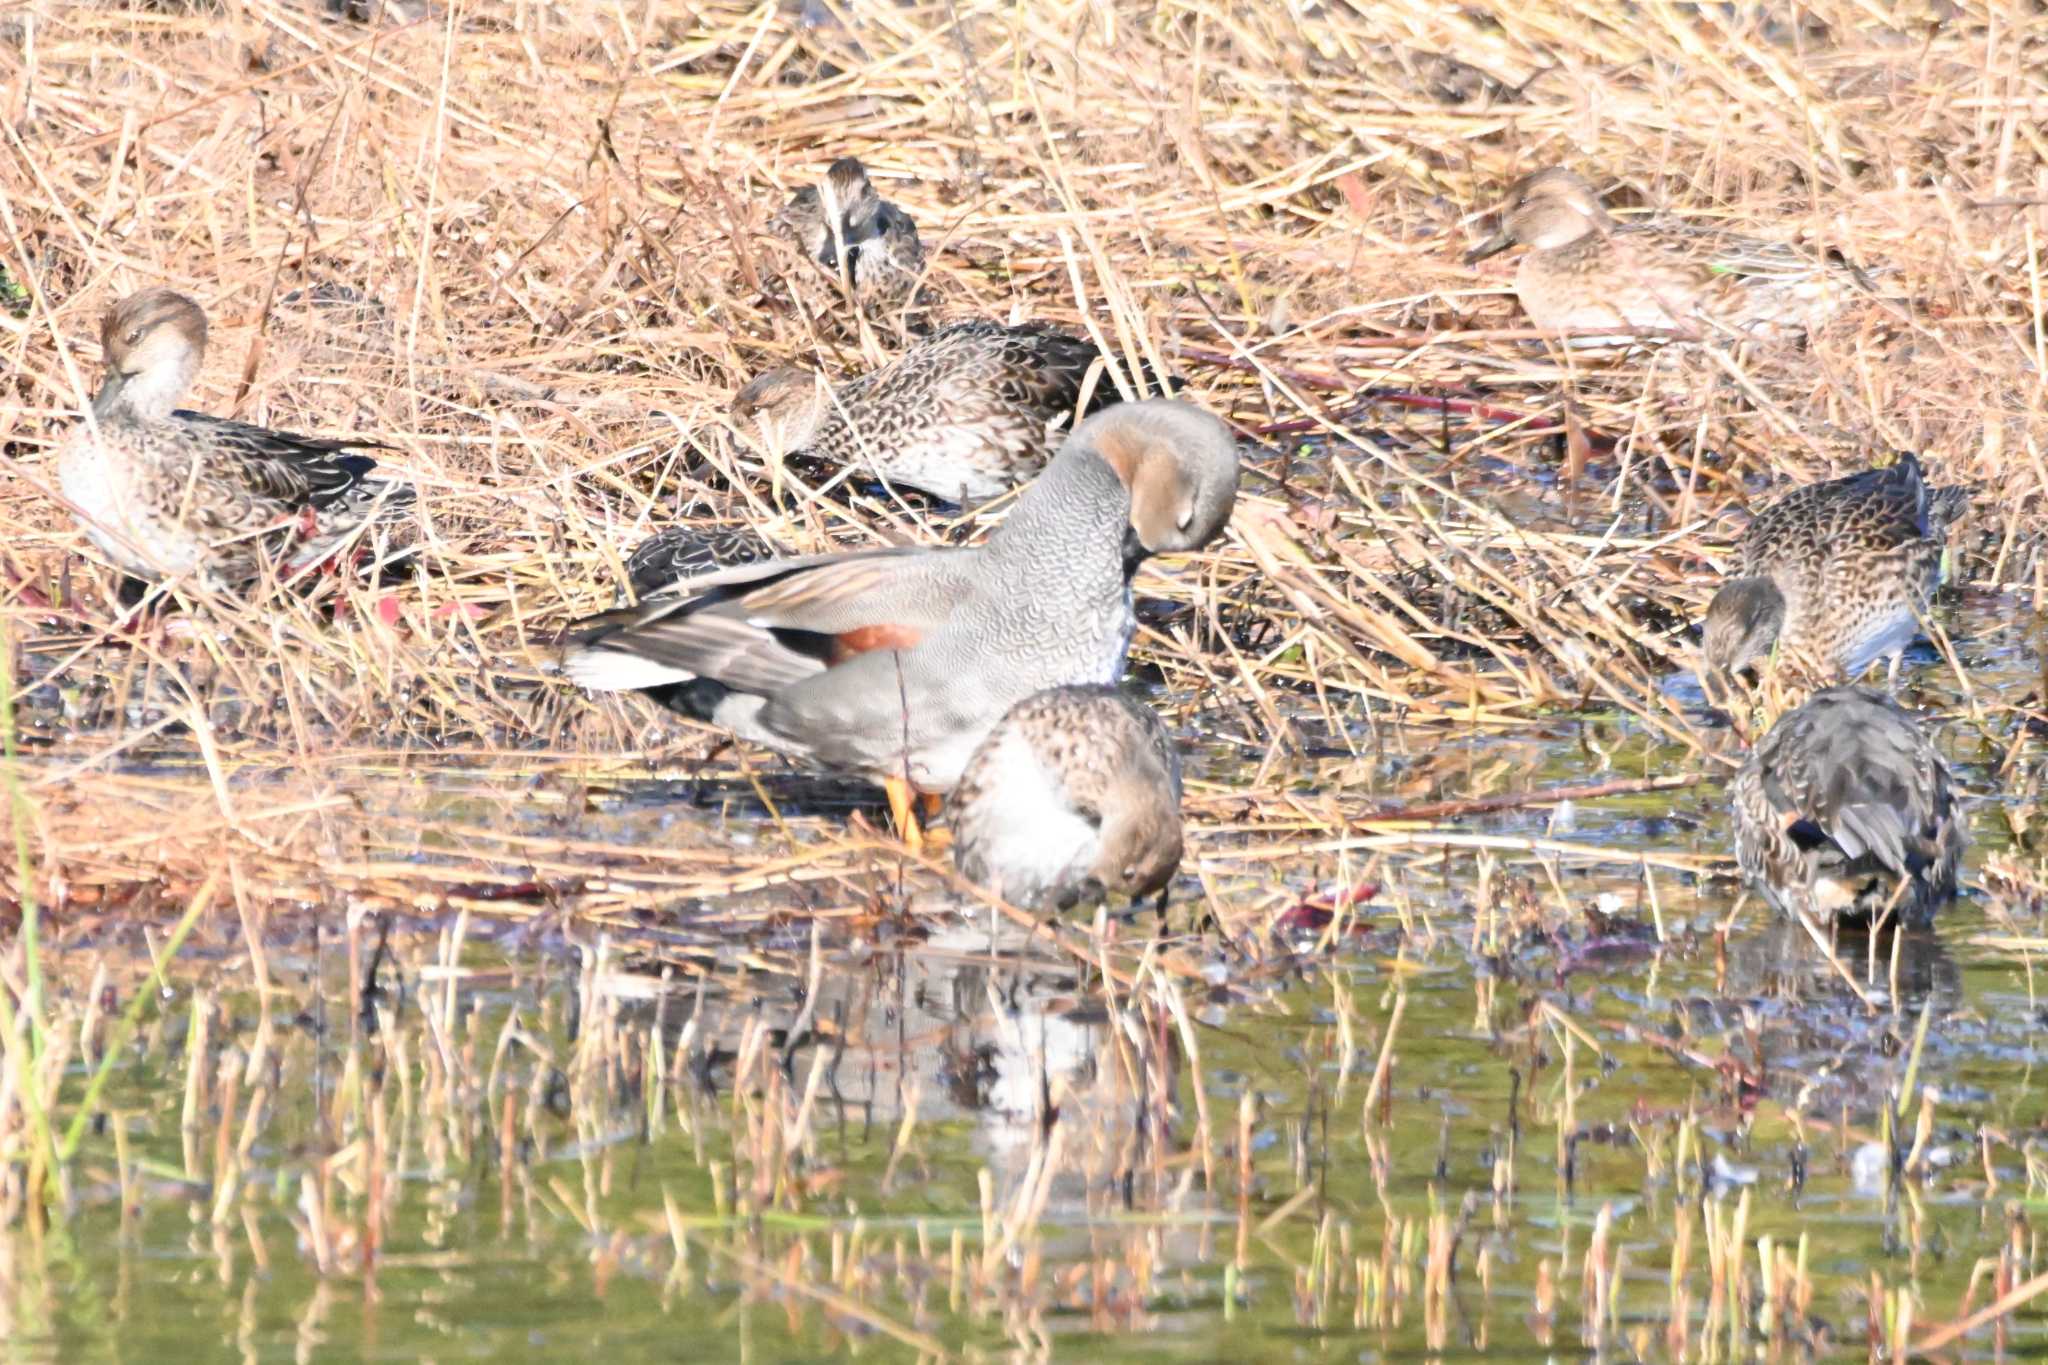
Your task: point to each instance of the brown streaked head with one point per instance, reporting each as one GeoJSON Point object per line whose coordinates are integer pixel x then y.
{"type": "Point", "coordinates": [1141, 839]}
{"type": "Point", "coordinates": [1180, 465]}
{"type": "Point", "coordinates": [780, 411]}
{"type": "Point", "coordinates": [1556, 184]}
{"type": "Point", "coordinates": [1141, 850]}
{"type": "Point", "coordinates": [153, 342]}
{"type": "Point", "coordinates": [847, 186]}
{"type": "Point", "coordinates": [139, 331]}
{"type": "Point", "coordinates": [1552, 207]}
{"type": "Point", "coordinates": [1742, 627]}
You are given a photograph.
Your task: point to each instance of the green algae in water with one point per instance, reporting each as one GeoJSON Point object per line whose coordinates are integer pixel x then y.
{"type": "Point", "coordinates": [544, 1197]}
{"type": "Point", "coordinates": [500, 1174]}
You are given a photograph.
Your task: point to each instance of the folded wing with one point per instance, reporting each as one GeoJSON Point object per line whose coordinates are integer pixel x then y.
{"type": "Point", "coordinates": [762, 627]}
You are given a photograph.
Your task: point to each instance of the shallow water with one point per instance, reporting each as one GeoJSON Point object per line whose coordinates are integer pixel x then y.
{"type": "Point", "coordinates": [888, 1128]}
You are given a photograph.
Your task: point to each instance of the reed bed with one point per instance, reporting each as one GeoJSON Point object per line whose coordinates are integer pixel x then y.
{"type": "Point", "coordinates": [527, 245]}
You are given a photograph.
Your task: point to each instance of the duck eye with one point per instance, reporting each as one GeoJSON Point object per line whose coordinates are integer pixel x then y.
{"type": "Point", "coordinates": [1187, 517]}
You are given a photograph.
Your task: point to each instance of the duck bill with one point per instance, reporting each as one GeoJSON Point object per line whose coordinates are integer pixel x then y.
{"type": "Point", "coordinates": [109, 397]}
{"type": "Point", "coordinates": [1135, 552]}
{"type": "Point", "coordinates": [1492, 246]}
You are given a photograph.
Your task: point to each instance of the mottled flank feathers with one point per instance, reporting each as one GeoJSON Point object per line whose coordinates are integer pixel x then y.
{"type": "Point", "coordinates": [1833, 576]}
{"type": "Point", "coordinates": [1843, 801]}
{"type": "Point", "coordinates": [165, 492]}
{"type": "Point", "coordinates": [964, 414]}
{"type": "Point", "coordinates": [1074, 795]}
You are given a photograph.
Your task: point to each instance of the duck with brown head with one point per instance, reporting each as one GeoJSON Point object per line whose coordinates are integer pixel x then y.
{"type": "Point", "coordinates": [153, 342]}
{"type": "Point", "coordinates": [164, 492]}
{"type": "Point", "coordinates": [1073, 797]}
{"type": "Point", "coordinates": [896, 663]}
{"type": "Point", "coordinates": [963, 414]}
{"type": "Point", "coordinates": [854, 235]}
{"type": "Point", "coordinates": [1583, 270]}
{"type": "Point", "coordinates": [1832, 578]}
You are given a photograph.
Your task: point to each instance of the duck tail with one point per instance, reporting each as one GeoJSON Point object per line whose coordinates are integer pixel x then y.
{"type": "Point", "coordinates": [1940, 507]}
{"type": "Point", "coordinates": [1151, 381]}
{"type": "Point", "coordinates": [366, 505]}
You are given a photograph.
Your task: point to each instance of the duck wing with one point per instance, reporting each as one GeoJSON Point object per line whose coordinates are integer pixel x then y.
{"type": "Point", "coordinates": [1035, 365]}
{"type": "Point", "coordinates": [1856, 773]}
{"type": "Point", "coordinates": [762, 627]}
{"type": "Point", "coordinates": [296, 470]}
{"type": "Point", "coordinates": [1874, 508]}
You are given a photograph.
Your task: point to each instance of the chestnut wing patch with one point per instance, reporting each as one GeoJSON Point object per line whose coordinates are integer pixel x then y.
{"type": "Point", "coordinates": [832, 650]}
{"type": "Point", "coordinates": [766, 626]}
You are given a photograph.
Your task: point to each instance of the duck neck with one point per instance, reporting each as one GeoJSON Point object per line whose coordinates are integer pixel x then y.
{"type": "Point", "coordinates": [148, 395]}
{"type": "Point", "coordinates": [1079, 512]}
{"type": "Point", "coordinates": [808, 419]}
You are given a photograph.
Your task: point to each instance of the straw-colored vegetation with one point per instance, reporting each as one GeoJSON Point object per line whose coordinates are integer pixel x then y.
{"type": "Point", "coordinates": [526, 245]}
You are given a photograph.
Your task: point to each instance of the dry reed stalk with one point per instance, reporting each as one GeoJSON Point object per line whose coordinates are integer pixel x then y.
{"type": "Point", "coordinates": [530, 251]}
{"type": "Point", "coordinates": [630, 283]}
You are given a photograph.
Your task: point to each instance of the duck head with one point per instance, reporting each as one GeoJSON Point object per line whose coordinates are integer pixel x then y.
{"type": "Point", "coordinates": [849, 197]}
{"type": "Point", "coordinates": [780, 411]}
{"type": "Point", "coordinates": [1141, 845]}
{"type": "Point", "coordinates": [153, 342]}
{"type": "Point", "coordinates": [1179, 464]}
{"type": "Point", "coordinates": [835, 216]}
{"type": "Point", "coordinates": [1552, 207]}
{"type": "Point", "coordinates": [1743, 622]}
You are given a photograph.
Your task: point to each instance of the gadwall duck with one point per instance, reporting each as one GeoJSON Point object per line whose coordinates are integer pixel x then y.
{"type": "Point", "coordinates": [897, 662]}
{"type": "Point", "coordinates": [1074, 795]}
{"type": "Point", "coordinates": [1833, 577]}
{"type": "Point", "coordinates": [854, 235]}
{"type": "Point", "coordinates": [1846, 811]}
{"type": "Point", "coordinates": [1583, 270]}
{"type": "Point", "coordinates": [164, 492]}
{"type": "Point", "coordinates": [964, 414]}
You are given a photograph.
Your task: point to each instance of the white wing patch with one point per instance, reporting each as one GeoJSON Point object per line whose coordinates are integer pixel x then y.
{"type": "Point", "coordinates": [611, 670]}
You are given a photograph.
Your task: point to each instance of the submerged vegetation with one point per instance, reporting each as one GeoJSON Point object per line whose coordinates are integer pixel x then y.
{"type": "Point", "coordinates": [364, 986]}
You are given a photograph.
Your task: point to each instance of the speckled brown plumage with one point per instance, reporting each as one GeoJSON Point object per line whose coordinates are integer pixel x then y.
{"type": "Point", "coordinates": [1844, 797]}
{"type": "Point", "coordinates": [675, 554]}
{"type": "Point", "coordinates": [1073, 795]}
{"type": "Point", "coordinates": [1833, 576]}
{"type": "Point", "coordinates": [164, 492]}
{"type": "Point", "coordinates": [895, 663]}
{"type": "Point", "coordinates": [844, 219]}
{"type": "Point", "coordinates": [964, 414]}
{"type": "Point", "coordinates": [1584, 270]}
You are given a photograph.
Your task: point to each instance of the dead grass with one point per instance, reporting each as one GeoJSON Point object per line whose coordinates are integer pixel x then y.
{"type": "Point", "coordinates": [526, 244]}
{"type": "Point", "coordinates": [528, 247]}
